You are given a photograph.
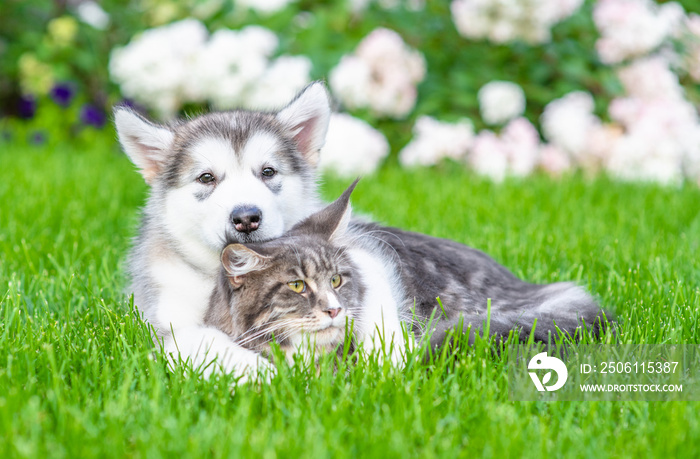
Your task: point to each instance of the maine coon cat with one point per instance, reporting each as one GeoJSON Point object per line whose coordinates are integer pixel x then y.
{"type": "Point", "coordinates": [328, 271]}
{"type": "Point", "coordinates": [298, 290]}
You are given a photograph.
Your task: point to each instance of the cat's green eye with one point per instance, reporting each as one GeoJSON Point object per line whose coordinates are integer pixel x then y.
{"type": "Point", "coordinates": [298, 286]}
{"type": "Point", "coordinates": [335, 281]}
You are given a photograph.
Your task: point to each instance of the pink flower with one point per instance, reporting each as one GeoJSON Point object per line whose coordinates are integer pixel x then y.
{"type": "Point", "coordinates": [661, 139]}
{"type": "Point", "coordinates": [567, 123]}
{"type": "Point", "coordinates": [692, 44]}
{"type": "Point", "coordinates": [516, 151]}
{"type": "Point", "coordinates": [522, 145]}
{"type": "Point", "coordinates": [381, 75]}
{"type": "Point", "coordinates": [650, 78]}
{"type": "Point", "coordinates": [554, 160]}
{"type": "Point", "coordinates": [633, 28]}
{"type": "Point", "coordinates": [489, 156]}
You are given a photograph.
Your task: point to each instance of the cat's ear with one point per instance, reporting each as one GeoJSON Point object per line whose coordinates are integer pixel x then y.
{"type": "Point", "coordinates": [306, 118]}
{"type": "Point", "coordinates": [148, 145]}
{"type": "Point", "coordinates": [239, 260]}
{"type": "Point", "coordinates": [332, 222]}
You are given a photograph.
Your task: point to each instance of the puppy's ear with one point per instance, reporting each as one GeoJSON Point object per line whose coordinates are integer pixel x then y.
{"type": "Point", "coordinates": [306, 118]}
{"type": "Point", "coordinates": [331, 223]}
{"type": "Point", "coordinates": [146, 144]}
{"type": "Point", "coordinates": [239, 260]}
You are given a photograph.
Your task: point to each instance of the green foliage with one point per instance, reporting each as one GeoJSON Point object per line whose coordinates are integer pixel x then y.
{"type": "Point", "coordinates": [78, 377]}
{"type": "Point", "coordinates": [324, 31]}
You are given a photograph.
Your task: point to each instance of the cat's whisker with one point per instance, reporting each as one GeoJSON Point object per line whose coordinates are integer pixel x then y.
{"type": "Point", "coordinates": [270, 328]}
{"type": "Point", "coordinates": [253, 329]}
{"type": "Point", "coordinates": [286, 333]}
{"type": "Point", "coordinates": [389, 233]}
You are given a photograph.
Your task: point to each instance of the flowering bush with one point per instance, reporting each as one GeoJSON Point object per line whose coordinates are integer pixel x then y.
{"type": "Point", "coordinates": [167, 67]}
{"type": "Point", "coordinates": [506, 87]}
{"type": "Point", "coordinates": [503, 21]}
{"type": "Point", "coordinates": [633, 28]}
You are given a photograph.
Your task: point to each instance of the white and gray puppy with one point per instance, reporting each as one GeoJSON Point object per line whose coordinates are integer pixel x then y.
{"type": "Point", "coordinates": [238, 176]}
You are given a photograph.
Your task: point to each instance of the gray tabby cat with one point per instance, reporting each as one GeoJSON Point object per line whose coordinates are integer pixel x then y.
{"type": "Point", "coordinates": [327, 271]}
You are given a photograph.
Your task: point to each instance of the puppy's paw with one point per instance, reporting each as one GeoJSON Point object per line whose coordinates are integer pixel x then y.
{"type": "Point", "coordinates": [248, 366]}
{"type": "Point", "coordinates": [210, 351]}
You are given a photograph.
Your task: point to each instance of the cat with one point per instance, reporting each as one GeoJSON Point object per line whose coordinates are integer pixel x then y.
{"type": "Point", "coordinates": [300, 290]}
{"type": "Point", "coordinates": [329, 271]}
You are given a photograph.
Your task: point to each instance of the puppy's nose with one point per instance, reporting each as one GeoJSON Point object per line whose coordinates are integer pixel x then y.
{"type": "Point", "coordinates": [333, 313]}
{"type": "Point", "coordinates": [246, 219]}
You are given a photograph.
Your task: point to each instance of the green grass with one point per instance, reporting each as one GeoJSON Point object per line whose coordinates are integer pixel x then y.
{"type": "Point", "coordinates": [78, 378]}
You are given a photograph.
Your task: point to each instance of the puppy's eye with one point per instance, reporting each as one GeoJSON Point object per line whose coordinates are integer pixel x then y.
{"type": "Point", "coordinates": [298, 286]}
{"type": "Point", "coordinates": [336, 281]}
{"type": "Point", "coordinates": [206, 178]}
{"type": "Point", "coordinates": [268, 172]}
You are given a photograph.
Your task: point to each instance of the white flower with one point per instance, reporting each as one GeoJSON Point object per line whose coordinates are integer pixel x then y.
{"type": "Point", "coordinates": [154, 68]}
{"type": "Point", "coordinates": [501, 101]}
{"type": "Point", "coordinates": [92, 14]}
{"type": "Point", "coordinates": [503, 21]}
{"type": "Point", "coordinates": [567, 122]}
{"type": "Point", "coordinates": [472, 21]}
{"type": "Point", "coordinates": [352, 147]}
{"type": "Point", "coordinates": [633, 28]}
{"type": "Point", "coordinates": [350, 81]}
{"type": "Point", "coordinates": [169, 66]}
{"type": "Point", "coordinates": [280, 83]}
{"type": "Point", "coordinates": [229, 63]}
{"type": "Point", "coordinates": [359, 6]}
{"type": "Point", "coordinates": [634, 158]}
{"type": "Point", "coordinates": [259, 40]}
{"type": "Point", "coordinates": [264, 6]}
{"type": "Point", "coordinates": [434, 140]}
{"type": "Point", "coordinates": [382, 75]}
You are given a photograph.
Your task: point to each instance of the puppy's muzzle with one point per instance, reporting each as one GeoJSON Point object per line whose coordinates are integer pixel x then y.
{"type": "Point", "coordinates": [246, 219]}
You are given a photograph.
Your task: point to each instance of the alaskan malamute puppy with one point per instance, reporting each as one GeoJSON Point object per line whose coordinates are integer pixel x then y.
{"type": "Point", "coordinates": [238, 176]}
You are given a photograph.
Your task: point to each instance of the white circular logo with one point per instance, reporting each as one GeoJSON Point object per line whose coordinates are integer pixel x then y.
{"type": "Point", "coordinates": [542, 361]}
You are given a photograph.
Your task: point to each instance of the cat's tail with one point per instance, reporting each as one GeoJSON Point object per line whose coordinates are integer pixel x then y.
{"type": "Point", "coordinates": [546, 312]}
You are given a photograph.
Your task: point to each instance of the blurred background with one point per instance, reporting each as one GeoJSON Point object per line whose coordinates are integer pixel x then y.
{"type": "Point", "coordinates": [503, 87]}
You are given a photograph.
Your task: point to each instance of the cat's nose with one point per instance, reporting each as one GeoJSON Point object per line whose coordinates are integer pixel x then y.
{"type": "Point", "coordinates": [246, 219]}
{"type": "Point", "coordinates": [333, 313]}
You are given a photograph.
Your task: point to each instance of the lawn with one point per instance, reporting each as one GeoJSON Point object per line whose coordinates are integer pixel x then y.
{"type": "Point", "coordinates": [78, 377]}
